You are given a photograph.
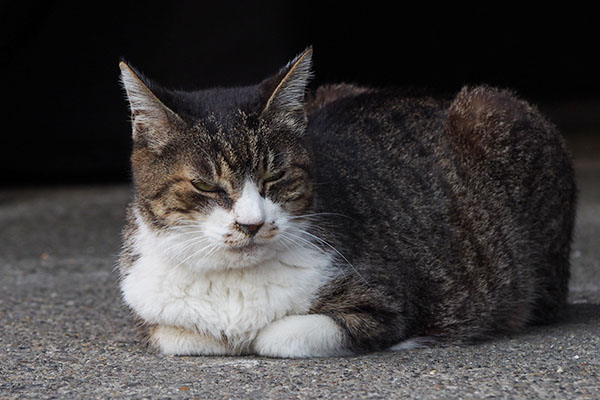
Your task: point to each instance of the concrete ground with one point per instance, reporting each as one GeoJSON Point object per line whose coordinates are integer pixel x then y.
{"type": "Point", "coordinates": [65, 333]}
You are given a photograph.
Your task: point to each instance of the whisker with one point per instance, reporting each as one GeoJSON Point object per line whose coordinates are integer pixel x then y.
{"type": "Point", "coordinates": [189, 246]}
{"type": "Point", "coordinates": [184, 228]}
{"type": "Point", "coordinates": [210, 252]}
{"type": "Point", "coordinates": [337, 252]}
{"type": "Point", "coordinates": [317, 215]}
{"type": "Point", "coordinates": [192, 239]}
{"type": "Point", "coordinates": [183, 245]}
{"type": "Point", "coordinates": [183, 222]}
{"type": "Point", "coordinates": [304, 240]}
{"type": "Point", "coordinates": [196, 253]}
{"type": "Point", "coordinates": [295, 239]}
{"type": "Point", "coordinates": [286, 241]}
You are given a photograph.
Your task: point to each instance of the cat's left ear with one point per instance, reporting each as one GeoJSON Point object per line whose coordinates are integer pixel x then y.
{"type": "Point", "coordinates": [286, 92]}
{"type": "Point", "coordinates": [152, 120]}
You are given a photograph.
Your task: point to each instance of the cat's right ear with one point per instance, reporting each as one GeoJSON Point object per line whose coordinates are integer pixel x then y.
{"type": "Point", "coordinates": [286, 93]}
{"type": "Point", "coordinates": [152, 121]}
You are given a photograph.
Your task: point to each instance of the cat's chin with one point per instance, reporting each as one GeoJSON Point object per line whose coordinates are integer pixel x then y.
{"type": "Point", "coordinates": [236, 257]}
{"type": "Point", "coordinates": [248, 248]}
{"type": "Point", "coordinates": [248, 256]}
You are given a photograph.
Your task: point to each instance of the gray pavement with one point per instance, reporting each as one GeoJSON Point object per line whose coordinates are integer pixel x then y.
{"type": "Point", "coordinates": [65, 334]}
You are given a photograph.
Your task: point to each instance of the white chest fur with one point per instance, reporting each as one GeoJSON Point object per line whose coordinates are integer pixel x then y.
{"type": "Point", "coordinates": [235, 303]}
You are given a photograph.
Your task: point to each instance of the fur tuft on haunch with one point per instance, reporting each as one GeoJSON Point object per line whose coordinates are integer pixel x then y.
{"type": "Point", "coordinates": [272, 221]}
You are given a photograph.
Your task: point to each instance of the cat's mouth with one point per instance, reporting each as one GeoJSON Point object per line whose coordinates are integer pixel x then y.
{"type": "Point", "coordinates": [248, 247]}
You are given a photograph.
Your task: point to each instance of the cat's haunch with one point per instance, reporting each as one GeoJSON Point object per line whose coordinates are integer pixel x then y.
{"type": "Point", "coordinates": [283, 222]}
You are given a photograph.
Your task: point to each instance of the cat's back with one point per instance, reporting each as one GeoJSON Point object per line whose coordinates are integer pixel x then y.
{"type": "Point", "coordinates": [376, 146]}
{"type": "Point", "coordinates": [377, 162]}
{"type": "Point", "coordinates": [386, 125]}
{"type": "Point", "coordinates": [485, 142]}
{"type": "Point", "coordinates": [475, 194]}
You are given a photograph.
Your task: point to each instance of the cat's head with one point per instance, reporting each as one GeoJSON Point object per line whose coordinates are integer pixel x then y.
{"type": "Point", "coordinates": [222, 176]}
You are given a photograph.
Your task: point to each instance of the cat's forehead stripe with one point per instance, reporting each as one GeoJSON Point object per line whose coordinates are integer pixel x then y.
{"type": "Point", "coordinates": [162, 189]}
{"type": "Point", "coordinates": [227, 164]}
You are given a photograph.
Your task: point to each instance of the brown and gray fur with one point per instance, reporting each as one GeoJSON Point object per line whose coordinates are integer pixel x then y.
{"type": "Point", "coordinates": [452, 219]}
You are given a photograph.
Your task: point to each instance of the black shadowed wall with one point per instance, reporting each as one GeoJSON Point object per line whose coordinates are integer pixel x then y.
{"type": "Point", "coordinates": [66, 120]}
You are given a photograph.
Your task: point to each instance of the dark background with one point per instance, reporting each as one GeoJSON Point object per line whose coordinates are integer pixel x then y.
{"type": "Point", "coordinates": [65, 119]}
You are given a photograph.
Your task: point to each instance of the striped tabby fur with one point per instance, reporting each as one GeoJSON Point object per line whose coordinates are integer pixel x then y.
{"type": "Point", "coordinates": [274, 222]}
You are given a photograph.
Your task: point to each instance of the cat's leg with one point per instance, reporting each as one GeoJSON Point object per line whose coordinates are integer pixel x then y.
{"type": "Point", "coordinates": [349, 317]}
{"type": "Point", "coordinates": [300, 336]}
{"type": "Point", "coordinates": [178, 341]}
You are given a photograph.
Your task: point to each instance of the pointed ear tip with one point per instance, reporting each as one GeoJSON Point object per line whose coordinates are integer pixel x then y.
{"type": "Point", "coordinates": [304, 58]}
{"type": "Point", "coordinates": [308, 52]}
{"type": "Point", "coordinates": [124, 67]}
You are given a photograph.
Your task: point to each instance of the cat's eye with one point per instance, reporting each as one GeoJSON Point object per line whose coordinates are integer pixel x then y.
{"type": "Point", "coordinates": [205, 186]}
{"type": "Point", "coordinates": [274, 177]}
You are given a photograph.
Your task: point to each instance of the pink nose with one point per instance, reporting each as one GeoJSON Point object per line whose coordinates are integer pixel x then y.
{"type": "Point", "coordinates": [249, 230]}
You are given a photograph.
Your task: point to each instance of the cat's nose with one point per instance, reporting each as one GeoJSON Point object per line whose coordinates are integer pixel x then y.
{"type": "Point", "coordinates": [249, 229]}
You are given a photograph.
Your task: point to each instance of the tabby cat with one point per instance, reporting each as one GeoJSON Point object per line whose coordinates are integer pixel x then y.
{"type": "Point", "coordinates": [275, 221]}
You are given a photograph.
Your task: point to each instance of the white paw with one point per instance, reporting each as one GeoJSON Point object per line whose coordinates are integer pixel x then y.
{"type": "Point", "coordinates": [300, 336]}
{"type": "Point", "coordinates": [177, 341]}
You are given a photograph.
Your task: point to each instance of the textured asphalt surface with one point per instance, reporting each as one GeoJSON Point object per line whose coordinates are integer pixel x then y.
{"type": "Point", "coordinates": [64, 332]}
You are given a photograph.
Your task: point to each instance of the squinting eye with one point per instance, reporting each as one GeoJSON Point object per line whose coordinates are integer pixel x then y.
{"type": "Point", "coordinates": [275, 177]}
{"type": "Point", "coordinates": [205, 187]}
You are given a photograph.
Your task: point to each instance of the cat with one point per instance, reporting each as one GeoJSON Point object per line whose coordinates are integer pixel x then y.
{"type": "Point", "coordinates": [285, 222]}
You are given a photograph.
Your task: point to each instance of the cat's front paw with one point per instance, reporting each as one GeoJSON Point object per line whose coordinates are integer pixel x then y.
{"type": "Point", "coordinates": [178, 341]}
{"type": "Point", "coordinates": [301, 336]}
